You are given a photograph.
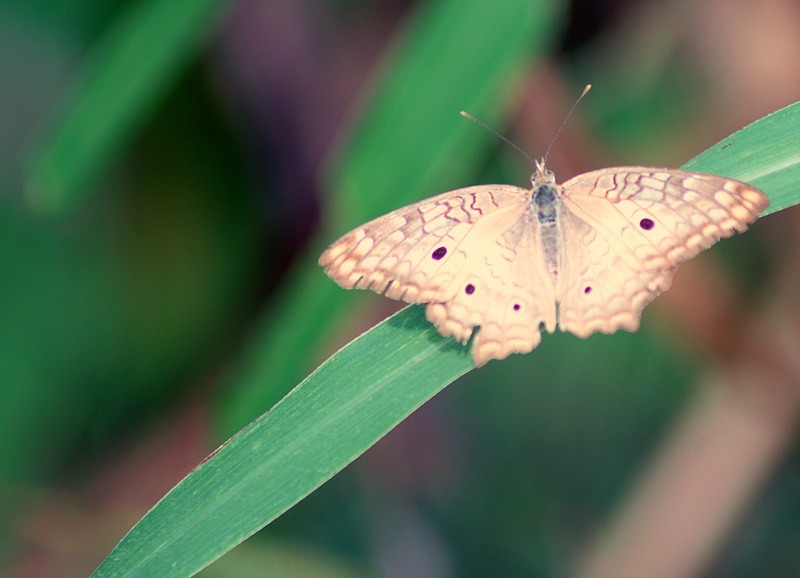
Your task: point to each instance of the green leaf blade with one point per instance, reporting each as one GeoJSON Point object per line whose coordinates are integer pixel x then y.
{"type": "Point", "coordinates": [331, 418]}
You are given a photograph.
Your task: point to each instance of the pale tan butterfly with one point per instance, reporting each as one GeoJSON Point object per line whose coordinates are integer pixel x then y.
{"type": "Point", "coordinates": [584, 256]}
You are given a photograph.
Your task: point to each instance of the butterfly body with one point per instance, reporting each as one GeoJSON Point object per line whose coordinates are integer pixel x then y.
{"type": "Point", "coordinates": [546, 205]}
{"type": "Point", "coordinates": [585, 256]}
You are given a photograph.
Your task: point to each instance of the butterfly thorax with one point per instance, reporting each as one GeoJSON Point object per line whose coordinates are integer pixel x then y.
{"type": "Point", "coordinates": [546, 203]}
{"type": "Point", "coordinates": [545, 198]}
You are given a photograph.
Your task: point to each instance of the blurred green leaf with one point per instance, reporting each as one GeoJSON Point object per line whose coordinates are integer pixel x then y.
{"type": "Point", "coordinates": [410, 144]}
{"type": "Point", "coordinates": [136, 61]}
{"type": "Point", "coordinates": [107, 312]}
{"type": "Point", "coordinates": [338, 412]}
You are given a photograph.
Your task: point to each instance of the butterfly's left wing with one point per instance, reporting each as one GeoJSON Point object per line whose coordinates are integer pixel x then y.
{"type": "Point", "coordinates": [472, 255]}
{"type": "Point", "coordinates": [625, 231]}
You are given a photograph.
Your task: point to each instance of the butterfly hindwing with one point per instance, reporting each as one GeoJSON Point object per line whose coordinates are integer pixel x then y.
{"type": "Point", "coordinates": [505, 290]}
{"type": "Point", "coordinates": [599, 288]}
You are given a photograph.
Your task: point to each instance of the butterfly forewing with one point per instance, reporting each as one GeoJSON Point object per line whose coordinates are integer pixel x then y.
{"type": "Point", "coordinates": [416, 253]}
{"type": "Point", "coordinates": [657, 218]}
{"type": "Point", "coordinates": [390, 254]}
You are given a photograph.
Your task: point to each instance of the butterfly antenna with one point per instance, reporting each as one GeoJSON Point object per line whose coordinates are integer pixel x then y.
{"type": "Point", "coordinates": [586, 89]}
{"type": "Point", "coordinates": [516, 147]}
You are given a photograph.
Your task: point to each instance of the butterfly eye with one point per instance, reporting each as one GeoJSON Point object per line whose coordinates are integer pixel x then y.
{"type": "Point", "coordinates": [469, 289]}
{"type": "Point", "coordinates": [646, 224]}
{"type": "Point", "coordinates": [439, 253]}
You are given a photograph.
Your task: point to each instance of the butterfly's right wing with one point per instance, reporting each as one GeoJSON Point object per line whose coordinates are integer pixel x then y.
{"type": "Point", "coordinates": [626, 229]}
{"type": "Point", "coordinates": [472, 255]}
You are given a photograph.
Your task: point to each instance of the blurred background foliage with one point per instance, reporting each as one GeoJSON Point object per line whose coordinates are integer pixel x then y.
{"type": "Point", "coordinates": [169, 173]}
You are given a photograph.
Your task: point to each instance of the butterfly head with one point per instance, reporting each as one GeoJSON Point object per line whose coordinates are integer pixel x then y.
{"type": "Point", "coordinates": [541, 175]}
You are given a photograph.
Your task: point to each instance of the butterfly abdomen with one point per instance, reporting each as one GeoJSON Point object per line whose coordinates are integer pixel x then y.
{"type": "Point", "coordinates": [552, 242]}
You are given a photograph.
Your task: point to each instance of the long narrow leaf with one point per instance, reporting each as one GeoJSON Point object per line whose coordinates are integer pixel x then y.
{"type": "Point", "coordinates": [332, 417]}
{"type": "Point", "coordinates": [130, 69]}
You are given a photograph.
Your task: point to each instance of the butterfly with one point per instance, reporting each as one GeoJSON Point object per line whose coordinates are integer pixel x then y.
{"type": "Point", "coordinates": [585, 256]}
